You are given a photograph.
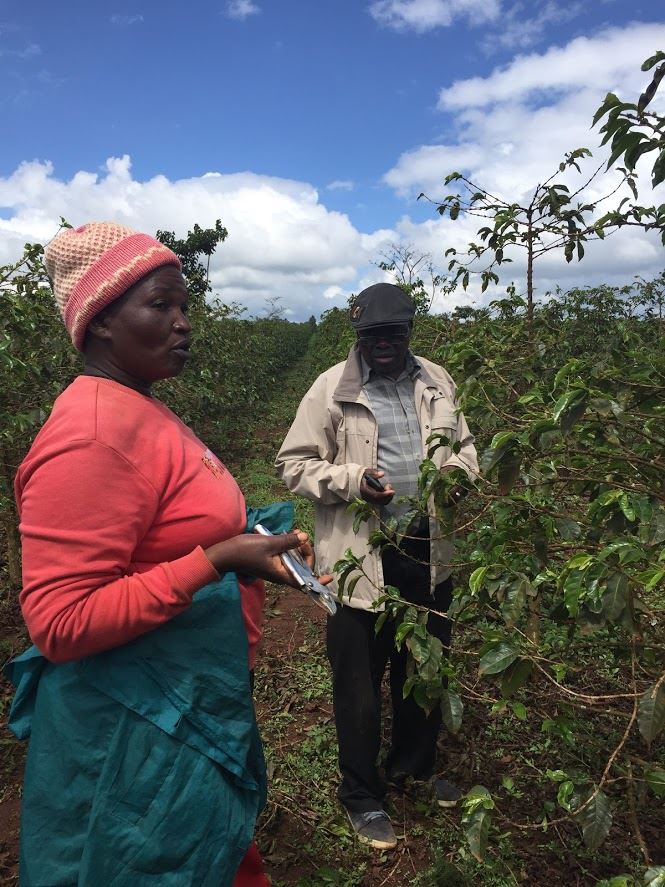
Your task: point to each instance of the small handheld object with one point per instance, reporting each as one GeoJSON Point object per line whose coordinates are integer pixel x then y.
{"type": "Point", "coordinates": [458, 494]}
{"type": "Point", "coordinates": [303, 576]}
{"type": "Point", "coordinates": [374, 483]}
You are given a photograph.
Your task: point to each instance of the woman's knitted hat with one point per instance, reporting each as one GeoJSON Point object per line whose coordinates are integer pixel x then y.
{"type": "Point", "coordinates": [93, 265]}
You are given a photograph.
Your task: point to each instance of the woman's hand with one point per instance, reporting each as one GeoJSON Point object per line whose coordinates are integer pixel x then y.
{"type": "Point", "coordinates": [258, 555]}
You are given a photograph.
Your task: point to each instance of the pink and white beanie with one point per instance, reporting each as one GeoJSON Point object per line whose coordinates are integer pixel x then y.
{"type": "Point", "coordinates": [93, 265]}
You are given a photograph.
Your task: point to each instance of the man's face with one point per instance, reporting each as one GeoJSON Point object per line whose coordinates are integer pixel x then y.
{"type": "Point", "coordinates": [385, 347]}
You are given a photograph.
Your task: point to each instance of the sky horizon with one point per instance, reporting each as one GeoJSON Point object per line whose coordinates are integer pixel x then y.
{"type": "Point", "coordinates": [311, 134]}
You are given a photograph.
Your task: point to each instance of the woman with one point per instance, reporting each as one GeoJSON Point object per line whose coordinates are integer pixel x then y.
{"type": "Point", "coordinates": [144, 764]}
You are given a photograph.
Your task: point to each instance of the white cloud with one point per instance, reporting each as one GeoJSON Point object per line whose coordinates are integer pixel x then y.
{"type": "Point", "coordinates": [25, 52]}
{"type": "Point", "coordinates": [510, 131]}
{"type": "Point", "coordinates": [241, 9]}
{"type": "Point", "coordinates": [126, 20]}
{"type": "Point", "coordinates": [282, 240]}
{"type": "Point", "coordinates": [341, 185]}
{"type": "Point", "coordinates": [423, 168]}
{"type": "Point", "coordinates": [599, 64]}
{"type": "Point", "coordinates": [333, 292]}
{"type": "Point", "coordinates": [425, 15]}
{"type": "Point", "coordinates": [525, 23]}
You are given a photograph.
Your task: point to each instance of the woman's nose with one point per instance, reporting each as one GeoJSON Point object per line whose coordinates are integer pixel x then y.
{"type": "Point", "coordinates": [181, 322]}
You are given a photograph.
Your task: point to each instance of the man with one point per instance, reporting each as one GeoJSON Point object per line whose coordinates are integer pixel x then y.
{"type": "Point", "coordinates": [369, 417]}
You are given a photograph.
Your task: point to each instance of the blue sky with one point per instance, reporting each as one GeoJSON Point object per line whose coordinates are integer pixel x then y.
{"type": "Point", "coordinates": [319, 122]}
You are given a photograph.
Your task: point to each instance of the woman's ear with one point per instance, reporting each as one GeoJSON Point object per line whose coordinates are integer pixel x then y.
{"type": "Point", "coordinates": [98, 326]}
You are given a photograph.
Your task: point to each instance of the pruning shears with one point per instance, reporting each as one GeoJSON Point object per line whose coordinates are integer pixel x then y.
{"type": "Point", "coordinates": [305, 579]}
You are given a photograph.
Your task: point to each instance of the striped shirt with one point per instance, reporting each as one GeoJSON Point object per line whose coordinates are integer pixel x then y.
{"type": "Point", "coordinates": [400, 449]}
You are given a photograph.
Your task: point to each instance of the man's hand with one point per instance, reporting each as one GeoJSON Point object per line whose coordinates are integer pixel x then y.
{"type": "Point", "coordinates": [372, 495]}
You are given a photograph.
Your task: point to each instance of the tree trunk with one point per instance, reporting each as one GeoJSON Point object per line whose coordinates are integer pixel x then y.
{"type": "Point", "coordinates": [529, 274]}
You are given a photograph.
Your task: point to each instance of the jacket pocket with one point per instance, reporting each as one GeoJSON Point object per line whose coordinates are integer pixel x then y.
{"type": "Point", "coordinates": [443, 418]}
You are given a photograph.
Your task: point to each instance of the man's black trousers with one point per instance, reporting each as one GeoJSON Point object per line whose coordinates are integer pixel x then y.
{"type": "Point", "coordinates": [358, 659]}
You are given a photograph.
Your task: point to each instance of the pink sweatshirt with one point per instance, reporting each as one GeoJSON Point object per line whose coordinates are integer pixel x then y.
{"type": "Point", "coordinates": [117, 500]}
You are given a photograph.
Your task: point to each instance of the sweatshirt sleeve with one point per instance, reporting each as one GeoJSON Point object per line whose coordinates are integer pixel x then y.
{"type": "Point", "coordinates": [83, 512]}
{"type": "Point", "coordinates": [305, 461]}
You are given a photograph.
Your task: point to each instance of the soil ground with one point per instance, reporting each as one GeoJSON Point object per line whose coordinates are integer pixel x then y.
{"type": "Point", "coordinates": [303, 833]}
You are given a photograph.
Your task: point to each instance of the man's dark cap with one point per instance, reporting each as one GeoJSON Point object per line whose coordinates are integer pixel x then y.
{"type": "Point", "coordinates": [381, 304]}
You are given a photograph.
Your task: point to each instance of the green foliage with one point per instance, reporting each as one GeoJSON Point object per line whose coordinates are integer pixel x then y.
{"type": "Point", "coordinates": [477, 809]}
{"type": "Point", "coordinates": [199, 242]}
{"type": "Point", "coordinates": [553, 217]}
{"type": "Point", "coordinates": [36, 361]}
{"type": "Point", "coordinates": [563, 544]}
{"type": "Point", "coordinates": [332, 340]}
{"type": "Point", "coordinates": [632, 130]}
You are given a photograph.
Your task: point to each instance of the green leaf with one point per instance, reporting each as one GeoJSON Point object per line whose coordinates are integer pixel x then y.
{"type": "Point", "coordinates": [610, 101]}
{"type": "Point", "coordinates": [381, 620]}
{"type": "Point", "coordinates": [519, 710]}
{"type": "Point", "coordinates": [476, 579]}
{"type": "Point", "coordinates": [651, 577]}
{"type": "Point", "coordinates": [568, 369]}
{"type": "Point", "coordinates": [403, 630]}
{"type": "Point", "coordinates": [651, 712]}
{"type": "Point", "coordinates": [502, 439]}
{"type": "Point", "coordinates": [572, 402]}
{"type": "Point", "coordinates": [564, 794]}
{"type": "Point", "coordinates": [497, 659]}
{"type": "Point", "coordinates": [617, 881]}
{"type": "Point", "coordinates": [350, 588]}
{"type": "Point", "coordinates": [653, 60]}
{"type": "Point", "coordinates": [655, 876]}
{"type": "Point", "coordinates": [615, 598]}
{"type": "Point", "coordinates": [596, 820]}
{"type": "Point", "coordinates": [476, 819]}
{"type": "Point", "coordinates": [627, 507]}
{"type": "Point", "coordinates": [451, 710]}
{"type": "Point", "coordinates": [658, 171]}
{"type": "Point", "coordinates": [655, 779]}
{"type": "Point", "coordinates": [515, 676]}
{"type": "Point", "coordinates": [573, 591]}
{"type": "Point", "coordinates": [580, 562]}
{"type": "Point", "coordinates": [651, 89]}
{"type": "Point", "coordinates": [568, 529]}
{"type": "Point", "coordinates": [656, 529]}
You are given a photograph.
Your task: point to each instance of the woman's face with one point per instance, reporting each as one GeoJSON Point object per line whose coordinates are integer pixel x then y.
{"type": "Point", "coordinates": [145, 333]}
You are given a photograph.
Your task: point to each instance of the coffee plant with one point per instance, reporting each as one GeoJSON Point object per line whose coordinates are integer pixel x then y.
{"type": "Point", "coordinates": [562, 545]}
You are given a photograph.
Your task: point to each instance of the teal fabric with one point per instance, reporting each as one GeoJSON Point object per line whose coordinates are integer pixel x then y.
{"type": "Point", "coordinates": [144, 765]}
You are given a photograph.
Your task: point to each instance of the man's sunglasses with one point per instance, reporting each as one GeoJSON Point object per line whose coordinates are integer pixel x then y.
{"type": "Point", "coordinates": [395, 334]}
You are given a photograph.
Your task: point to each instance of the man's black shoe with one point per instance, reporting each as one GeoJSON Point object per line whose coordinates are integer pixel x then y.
{"type": "Point", "coordinates": [446, 794]}
{"type": "Point", "coordinates": [373, 828]}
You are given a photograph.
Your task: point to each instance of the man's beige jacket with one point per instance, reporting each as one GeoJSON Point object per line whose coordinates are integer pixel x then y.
{"type": "Point", "coordinates": [334, 438]}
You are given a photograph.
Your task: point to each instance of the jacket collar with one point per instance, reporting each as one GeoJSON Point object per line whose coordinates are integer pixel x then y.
{"type": "Point", "coordinates": [350, 383]}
